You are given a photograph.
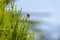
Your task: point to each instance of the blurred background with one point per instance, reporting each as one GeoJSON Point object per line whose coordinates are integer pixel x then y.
{"type": "Point", "coordinates": [47, 13]}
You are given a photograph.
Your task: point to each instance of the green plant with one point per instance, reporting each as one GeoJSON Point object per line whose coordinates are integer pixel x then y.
{"type": "Point", "coordinates": [12, 25]}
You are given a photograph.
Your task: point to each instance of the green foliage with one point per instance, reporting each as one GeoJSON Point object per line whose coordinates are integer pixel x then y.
{"type": "Point", "coordinates": [12, 25]}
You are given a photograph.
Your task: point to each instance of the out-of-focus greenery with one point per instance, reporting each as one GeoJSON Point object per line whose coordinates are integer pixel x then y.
{"type": "Point", "coordinates": [3, 3]}
{"type": "Point", "coordinates": [11, 28]}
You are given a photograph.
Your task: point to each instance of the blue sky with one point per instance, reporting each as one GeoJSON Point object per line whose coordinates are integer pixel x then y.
{"type": "Point", "coordinates": [51, 6]}
{"type": "Point", "coordinates": [39, 5]}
